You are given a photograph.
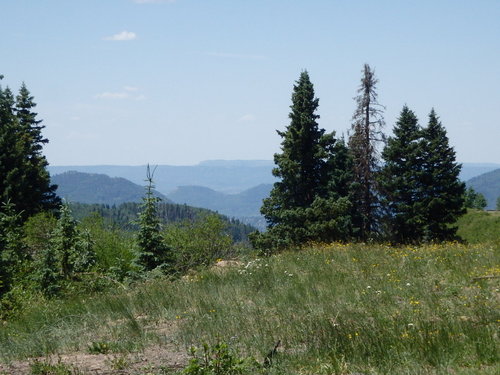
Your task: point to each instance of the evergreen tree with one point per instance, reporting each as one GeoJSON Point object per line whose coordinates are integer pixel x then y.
{"type": "Point", "coordinates": [24, 179]}
{"type": "Point", "coordinates": [153, 252]}
{"type": "Point", "coordinates": [474, 199]}
{"type": "Point", "coordinates": [11, 249]}
{"type": "Point", "coordinates": [69, 252]}
{"type": "Point", "coordinates": [11, 154]}
{"type": "Point", "coordinates": [498, 204]}
{"type": "Point", "coordinates": [308, 202]}
{"type": "Point", "coordinates": [70, 245]}
{"type": "Point", "coordinates": [399, 181]}
{"type": "Point", "coordinates": [38, 193]}
{"type": "Point", "coordinates": [366, 132]}
{"type": "Point", "coordinates": [441, 189]}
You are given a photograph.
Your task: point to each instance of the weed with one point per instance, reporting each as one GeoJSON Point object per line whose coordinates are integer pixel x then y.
{"type": "Point", "coordinates": [218, 359]}
{"type": "Point", "coordinates": [119, 362]}
{"type": "Point", "coordinates": [47, 368]}
{"type": "Point", "coordinates": [99, 347]}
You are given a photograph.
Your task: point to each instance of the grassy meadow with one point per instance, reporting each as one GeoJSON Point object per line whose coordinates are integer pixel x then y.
{"type": "Point", "coordinates": [337, 309]}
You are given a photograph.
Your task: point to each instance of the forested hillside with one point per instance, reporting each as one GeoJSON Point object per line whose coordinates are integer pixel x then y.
{"type": "Point", "coordinates": [125, 216]}
{"type": "Point", "coordinates": [98, 188]}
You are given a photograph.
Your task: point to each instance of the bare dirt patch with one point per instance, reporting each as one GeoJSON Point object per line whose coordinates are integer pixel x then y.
{"type": "Point", "coordinates": [152, 360]}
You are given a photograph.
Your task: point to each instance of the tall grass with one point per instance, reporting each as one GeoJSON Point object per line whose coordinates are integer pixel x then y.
{"type": "Point", "coordinates": [337, 309]}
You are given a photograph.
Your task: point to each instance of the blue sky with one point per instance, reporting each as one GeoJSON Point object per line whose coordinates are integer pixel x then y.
{"type": "Point", "coordinates": [181, 81]}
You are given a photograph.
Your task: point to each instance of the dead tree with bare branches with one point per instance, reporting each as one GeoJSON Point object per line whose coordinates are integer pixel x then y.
{"type": "Point", "coordinates": [367, 122]}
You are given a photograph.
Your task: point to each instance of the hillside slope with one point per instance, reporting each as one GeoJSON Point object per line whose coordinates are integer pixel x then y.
{"type": "Point", "coordinates": [98, 188]}
{"type": "Point", "coordinates": [246, 203]}
{"type": "Point", "coordinates": [487, 184]}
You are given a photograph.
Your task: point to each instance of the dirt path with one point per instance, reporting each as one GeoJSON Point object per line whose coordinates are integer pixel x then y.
{"type": "Point", "coordinates": [150, 361]}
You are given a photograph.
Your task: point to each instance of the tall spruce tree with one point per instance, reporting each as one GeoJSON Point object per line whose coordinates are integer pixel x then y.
{"type": "Point", "coordinates": [12, 158]}
{"type": "Point", "coordinates": [24, 179]}
{"type": "Point", "coordinates": [441, 189]}
{"type": "Point", "coordinates": [399, 181]}
{"type": "Point", "coordinates": [365, 133]}
{"type": "Point", "coordinates": [309, 202]}
{"type": "Point", "coordinates": [38, 194]}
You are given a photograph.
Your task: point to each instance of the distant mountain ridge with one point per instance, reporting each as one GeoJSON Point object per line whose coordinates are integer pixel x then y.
{"type": "Point", "coordinates": [98, 188]}
{"type": "Point", "coordinates": [226, 176]}
{"type": "Point", "coordinates": [244, 204]}
{"type": "Point", "coordinates": [471, 170]}
{"type": "Point", "coordinates": [223, 176]}
{"type": "Point", "coordinates": [487, 184]}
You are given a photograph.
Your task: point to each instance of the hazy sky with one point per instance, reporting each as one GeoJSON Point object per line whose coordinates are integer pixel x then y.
{"type": "Point", "coordinates": [180, 81]}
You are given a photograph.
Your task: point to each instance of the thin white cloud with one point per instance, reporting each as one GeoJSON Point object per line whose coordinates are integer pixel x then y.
{"type": "Point", "coordinates": [123, 36]}
{"type": "Point", "coordinates": [112, 95]}
{"type": "Point", "coordinates": [128, 92]}
{"type": "Point", "coordinates": [130, 88]}
{"type": "Point", "coordinates": [246, 118]}
{"type": "Point", "coordinates": [237, 56]}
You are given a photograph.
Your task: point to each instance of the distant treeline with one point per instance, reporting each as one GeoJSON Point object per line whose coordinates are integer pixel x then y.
{"type": "Point", "coordinates": [125, 216]}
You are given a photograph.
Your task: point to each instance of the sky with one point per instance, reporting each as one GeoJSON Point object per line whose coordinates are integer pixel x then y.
{"type": "Point", "coordinates": [176, 82]}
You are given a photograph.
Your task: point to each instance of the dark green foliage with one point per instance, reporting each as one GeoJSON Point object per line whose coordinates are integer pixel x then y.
{"type": "Point", "coordinates": [399, 181]}
{"type": "Point", "coordinates": [38, 193]}
{"type": "Point", "coordinates": [308, 203]}
{"type": "Point", "coordinates": [498, 204]}
{"type": "Point", "coordinates": [11, 152]}
{"type": "Point", "coordinates": [49, 275]}
{"type": "Point", "coordinates": [474, 199]}
{"type": "Point", "coordinates": [68, 253]}
{"type": "Point", "coordinates": [422, 193]}
{"type": "Point", "coordinates": [72, 245]}
{"type": "Point", "coordinates": [153, 252]}
{"type": "Point", "coordinates": [442, 191]}
{"type": "Point", "coordinates": [24, 178]}
{"type": "Point", "coordinates": [37, 232]}
{"type": "Point", "coordinates": [366, 132]}
{"type": "Point", "coordinates": [11, 248]}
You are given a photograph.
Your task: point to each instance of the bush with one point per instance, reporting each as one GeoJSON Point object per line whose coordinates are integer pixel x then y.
{"type": "Point", "coordinates": [114, 249]}
{"type": "Point", "coordinates": [198, 243]}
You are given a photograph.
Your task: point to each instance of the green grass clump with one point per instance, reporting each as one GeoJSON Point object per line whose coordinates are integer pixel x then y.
{"type": "Point", "coordinates": [337, 309]}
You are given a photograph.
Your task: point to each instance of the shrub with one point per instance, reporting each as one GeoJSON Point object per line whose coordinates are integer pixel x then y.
{"type": "Point", "coordinates": [198, 243]}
